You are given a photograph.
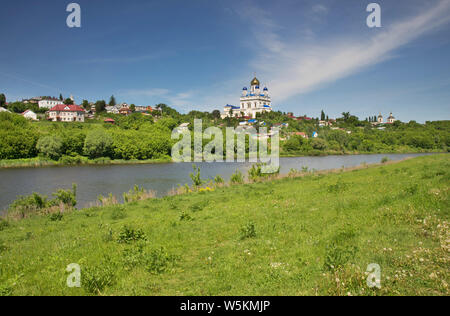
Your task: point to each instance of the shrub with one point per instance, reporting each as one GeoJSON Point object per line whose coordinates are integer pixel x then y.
{"type": "Point", "coordinates": [158, 261]}
{"type": "Point", "coordinates": [96, 279]}
{"type": "Point", "coordinates": [66, 197]}
{"type": "Point", "coordinates": [218, 180]}
{"type": "Point", "coordinates": [254, 173]}
{"type": "Point", "coordinates": [26, 205]}
{"type": "Point", "coordinates": [98, 144]}
{"type": "Point", "coordinates": [56, 217]}
{"type": "Point", "coordinates": [237, 178]}
{"type": "Point", "coordinates": [185, 216]}
{"type": "Point", "coordinates": [195, 176]}
{"type": "Point", "coordinates": [384, 159]}
{"type": "Point", "coordinates": [3, 224]}
{"type": "Point", "coordinates": [337, 255]}
{"type": "Point", "coordinates": [50, 146]}
{"type": "Point", "coordinates": [128, 235]}
{"type": "Point", "coordinates": [137, 194]}
{"type": "Point", "coordinates": [248, 231]}
{"type": "Point", "coordinates": [118, 212]}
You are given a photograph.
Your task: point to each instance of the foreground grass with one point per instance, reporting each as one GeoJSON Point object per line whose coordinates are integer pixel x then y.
{"type": "Point", "coordinates": [311, 235]}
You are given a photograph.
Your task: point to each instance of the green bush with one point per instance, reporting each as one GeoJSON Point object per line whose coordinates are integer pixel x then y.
{"type": "Point", "coordinates": [128, 235]}
{"type": "Point", "coordinates": [237, 178]}
{"type": "Point", "coordinates": [98, 144]}
{"type": "Point", "coordinates": [248, 231]}
{"type": "Point", "coordinates": [158, 261]}
{"type": "Point", "coordinates": [95, 279]}
{"type": "Point", "coordinates": [50, 146]}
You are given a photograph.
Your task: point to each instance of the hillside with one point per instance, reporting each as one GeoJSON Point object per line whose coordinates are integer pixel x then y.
{"type": "Point", "coordinates": [308, 235]}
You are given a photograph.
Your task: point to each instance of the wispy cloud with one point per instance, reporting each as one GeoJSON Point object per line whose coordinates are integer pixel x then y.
{"type": "Point", "coordinates": [295, 68]}
{"type": "Point", "coordinates": [126, 60]}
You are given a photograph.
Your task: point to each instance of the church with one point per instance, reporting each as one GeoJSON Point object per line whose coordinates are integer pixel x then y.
{"type": "Point", "coordinates": [255, 100]}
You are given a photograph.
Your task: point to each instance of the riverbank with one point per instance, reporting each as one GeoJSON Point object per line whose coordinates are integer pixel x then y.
{"type": "Point", "coordinates": [305, 234]}
{"type": "Point", "coordinates": [39, 162]}
{"type": "Point", "coordinates": [43, 162]}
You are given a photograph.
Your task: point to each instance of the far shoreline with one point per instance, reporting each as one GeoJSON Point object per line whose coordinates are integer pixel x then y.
{"type": "Point", "coordinates": [45, 163]}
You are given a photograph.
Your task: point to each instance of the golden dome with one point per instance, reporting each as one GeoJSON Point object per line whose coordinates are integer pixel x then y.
{"type": "Point", "coordinates": [255, 82]}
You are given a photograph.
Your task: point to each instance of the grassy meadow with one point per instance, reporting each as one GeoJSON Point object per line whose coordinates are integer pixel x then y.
{"type": "Point", "coordinates": [303, 234]}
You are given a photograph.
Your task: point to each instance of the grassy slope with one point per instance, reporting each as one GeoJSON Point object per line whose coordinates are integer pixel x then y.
{"type": "Point", "coordinates": [395, 215]}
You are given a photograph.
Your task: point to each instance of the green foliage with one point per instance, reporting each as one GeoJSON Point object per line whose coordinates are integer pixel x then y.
{"type": "Point", "coordinates": [66, 197]}
{"type": "Point", "coordinates": [128, 235]}
{"type": "Point", "coordinates": [384, 159]}
{"type": "Point", "coordinates": [17, 137]}
{"type": "Point", "coordinates": [2, 99]}
{"type": "Point", "coordinates": [195, 176]}
{"type": "Point", "coordinates": [100, 106]}
{"type": "Point", "coordinates": [158, 261]}
{"type": "Point", "coordinates": [98, 144]}
{"type": "Point", "coordinates": [56, 217]}
{"type": "Point", "coordinates": [95, 279]}
{"type": "Point", "coordinates": [248, 231]}
{"type": "Point", "coordinates": [218, 179]}
{"type": "Point", "coordinates": [112, 101]}
{"type": "Point", "coordinates": [50, 146]}
{"type": "Point", "coordinates": [302, 245]}
{"type": "Point", "coordinates": [118, 212]}
{"type": "Point", "coordinates": [337, 255]}
{"type": "Point", "coordinates": [3, 224]}
{"type": "Point", "coordinates": [68, 101]}
{"type": "Point", "coordinates": [237, 177]}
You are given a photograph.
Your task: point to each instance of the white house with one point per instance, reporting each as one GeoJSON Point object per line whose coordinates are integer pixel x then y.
{"type": "Point", "coordinates": [66, 113]}
{"type": "Point", "coordinates": [30, 115]}
{"type": "Point", "coordinates": [251, 102]}
{"type": "Point", "coordinates": [49, 103]}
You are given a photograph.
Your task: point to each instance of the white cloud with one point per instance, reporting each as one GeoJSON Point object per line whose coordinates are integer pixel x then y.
{"type": "Point", "coordinates": [295, 68]}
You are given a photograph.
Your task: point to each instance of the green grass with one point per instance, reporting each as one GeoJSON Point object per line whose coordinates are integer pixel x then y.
{"type": "Point", "coordinates": [45, 162]}
{"type": "Point", "coordinates": [310, 235]}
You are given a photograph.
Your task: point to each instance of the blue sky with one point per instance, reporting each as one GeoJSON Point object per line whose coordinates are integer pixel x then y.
{"type": "Point", "coordinates": [198, 54]}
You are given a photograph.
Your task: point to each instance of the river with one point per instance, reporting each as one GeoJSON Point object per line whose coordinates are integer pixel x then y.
{"type": "Point", "coordinates": [93, 181]}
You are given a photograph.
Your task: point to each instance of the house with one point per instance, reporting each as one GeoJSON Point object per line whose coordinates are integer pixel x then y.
{"type": "Point", "coordinates": [125, 111]}
{"type": "Point", "coordinates": [325, 123]}
{"type": "Point", "coordinates": [183, 127]}
{"type": "Point", "coordinates": [30, 115]}
{"type": "Point", "coordinates": [4, 110]}
{"type": "Point", "coordinates": [304, 118]}
{"type": "Point", "coordinates": [66, 113]}
{"type": "Point", "coordinates": [302, 134]}
{"type": "Point", "coordinates": [113, 109]}
{"type": "Point", "coordinates": [34, 100]}
{"type": "Point", "coordinates": [109, 121]}
{"type": "Point", "coordinates": [49, 103]}
{"type": "Point", "coordinates": [391, 119]}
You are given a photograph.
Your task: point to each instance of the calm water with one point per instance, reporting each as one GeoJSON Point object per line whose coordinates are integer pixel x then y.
{"type": "Point", "coordinates": [101, 180]}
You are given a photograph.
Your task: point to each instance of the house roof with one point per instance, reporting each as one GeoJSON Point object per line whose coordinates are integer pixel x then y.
{"type": "Point", "coordinates": [66, 108]}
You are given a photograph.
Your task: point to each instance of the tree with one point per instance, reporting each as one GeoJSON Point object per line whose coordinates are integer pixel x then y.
{"type": "Point", "coordinates": [100, 106]}
{"type": "Point", "coordinates": [50, 146]}
{"type": "Point", "coordinates": [322, 116]}
{"type": "Point", "coordinates": [61, 97]}
{"type": "Point", "coordinates": [216, 114]}
{"type": "Point", "coordinates": [133, 108]}
{"type": "Point", "coordinates": [97, 144]}
{"type": "Point", "coordinates": [85, 104]}
{"type": "Point", "coordinates": [112, 101]}
{"type": "Point", "coordinates": [2, 99]}
{"type": "Point", "coordinates": [68, 101]}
